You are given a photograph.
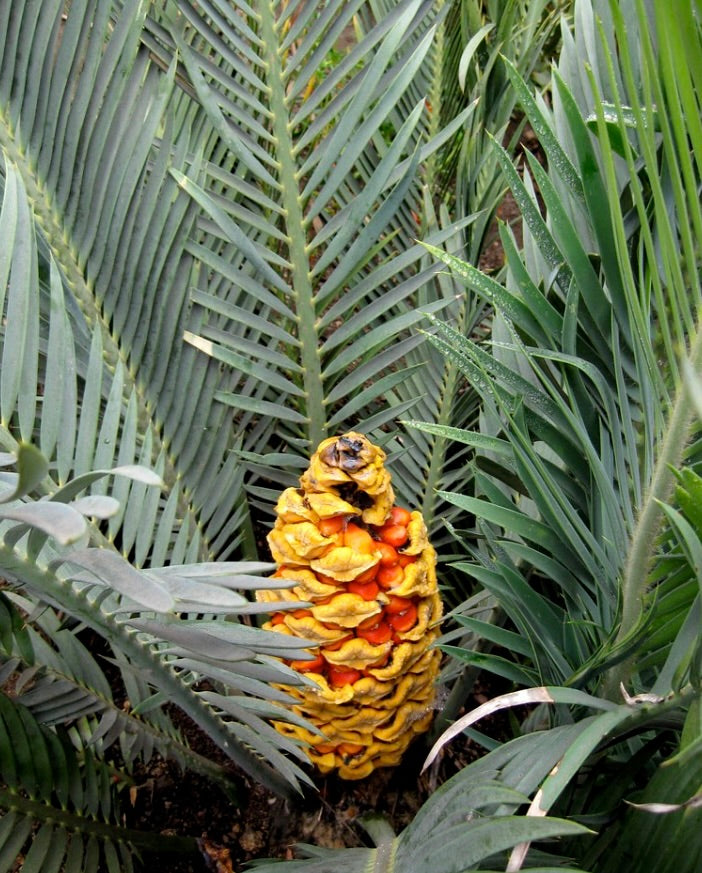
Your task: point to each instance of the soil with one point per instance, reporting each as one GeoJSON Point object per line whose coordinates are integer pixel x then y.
{"type": "Point", "coordinates": [167, 800]}
{"type": "Point", "coordinates": [492, 258]}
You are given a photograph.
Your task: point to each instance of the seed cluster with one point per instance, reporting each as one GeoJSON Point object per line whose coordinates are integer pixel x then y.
{"type": "Point", "coordinates": [368, 571]}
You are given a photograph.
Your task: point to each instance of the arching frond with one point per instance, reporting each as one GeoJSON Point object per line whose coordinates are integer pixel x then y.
{"type": "Point", "coordinates": [585, 411]}
{"type": "Point", "coordinates": [140, 614]}
{"type": "Point", "coordinates": [47, 669]}
{"type": "Point", "coordinates": [49, 527]}
{"type": "Point", "coordinates": [469, 817]}
{"type": "Point", "coordinates": [113, 230]}
{"type": "Point", "coordinates": [58, 804]}
{"type": "Point", "coordinates": [309, 210]}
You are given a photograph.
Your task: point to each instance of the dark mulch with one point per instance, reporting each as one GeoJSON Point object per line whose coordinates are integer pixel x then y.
{"type": "Point", "coordinates": [164, 799]}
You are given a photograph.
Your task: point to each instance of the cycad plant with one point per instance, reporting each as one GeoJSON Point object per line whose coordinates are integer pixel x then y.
{"type": "Point", "coordinates": [209, 261]}
{"type": "Point", "coordinates": [582, 425]}
{"type": "Point", "coordinates": [112, 282]}
{"type": "Point", "coordinates": [588, 425]}
{"type": "Point", "coordinates": [587, 533]}
{"type": "Point", "coordinates": [312, 197]}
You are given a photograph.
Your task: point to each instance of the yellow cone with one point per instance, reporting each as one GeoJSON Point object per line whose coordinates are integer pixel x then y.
{"type": "Point", "coordinates": [369, 571]}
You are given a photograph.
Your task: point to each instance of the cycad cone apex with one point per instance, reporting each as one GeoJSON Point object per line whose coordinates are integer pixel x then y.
{"type": "Point", "coordinates": [369, 572]}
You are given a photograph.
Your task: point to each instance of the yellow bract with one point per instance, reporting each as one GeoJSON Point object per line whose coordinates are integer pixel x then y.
{"type": "Point", "coordinates": [330, 504]}
{"type": "Point", "coordinates": [364, 574]}
{"type": "Point", "coordinates": [346, 610]}
{"type": "Point", "coordinates": [297, 543]}
{"type": "Point", "coordinates": [417, 534]}
{"type": "Point", "coordinates": [343, 563]}
{"type": "Point", "coordinates": [308, 585]}
{"type": "Point", "coordinates": [309, 628]}
{"type": "Point", "coordinates": [358, 654]}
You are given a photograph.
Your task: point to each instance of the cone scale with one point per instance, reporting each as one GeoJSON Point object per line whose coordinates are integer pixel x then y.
{"type": "Point", "coordinates": [369, 573]}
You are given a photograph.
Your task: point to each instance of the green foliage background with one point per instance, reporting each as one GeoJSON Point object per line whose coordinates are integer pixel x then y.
{"type": "Point", "coordinates": [224, 237]}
